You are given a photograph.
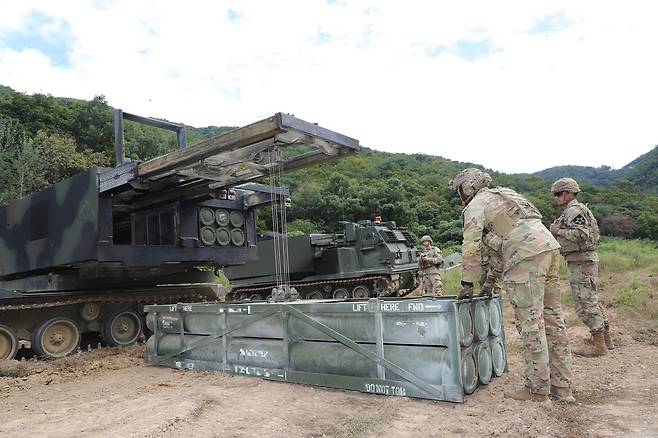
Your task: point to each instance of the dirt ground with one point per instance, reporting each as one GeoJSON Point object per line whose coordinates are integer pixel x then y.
{"type": "Point", "coordinates": [112, 393]}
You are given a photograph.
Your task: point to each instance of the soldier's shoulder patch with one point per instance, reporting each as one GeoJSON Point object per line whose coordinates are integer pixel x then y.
{"type": "Point", "coordinates": [579, 220]}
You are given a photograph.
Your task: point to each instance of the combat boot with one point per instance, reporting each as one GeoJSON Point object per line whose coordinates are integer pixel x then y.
{"type": "Point", "coordinates": [597, 348]}
{"type": "Point", "coordinates": [524, 394]}
{"type": "Point", "coordinates": [608, 339]}
{"type": "Point", "coordinates": [559, 393]}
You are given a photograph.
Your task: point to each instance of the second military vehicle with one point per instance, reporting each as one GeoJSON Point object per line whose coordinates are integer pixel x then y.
{"type": "Point", "coordinates": [369, 259]}
{"type": "Point", "coordinates": [85, 254]}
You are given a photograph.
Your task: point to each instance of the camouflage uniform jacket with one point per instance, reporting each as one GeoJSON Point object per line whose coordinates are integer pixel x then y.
{"type": "Point", "coordinates": [513, 219]}
{"type": "Point", "coordinates": [492, 262]}
{"type": "Point", "coordinates": [578, 232]}
{"type": "Point", "coordinates": [431, 262]}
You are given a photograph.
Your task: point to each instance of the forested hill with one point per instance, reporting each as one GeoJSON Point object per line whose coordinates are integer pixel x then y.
{"type": "Point", "coordinates": [412, 190]}
{"type": "Point", "coordinates": [44, 139]}
{"type": "Point", "coordinates": [643, 171]}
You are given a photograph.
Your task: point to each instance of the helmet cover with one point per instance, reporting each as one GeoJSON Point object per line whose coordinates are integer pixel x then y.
{"type": "Point", "coordinates": [470, 180]}
{"type": "Point", "coordinates": [565, 185]}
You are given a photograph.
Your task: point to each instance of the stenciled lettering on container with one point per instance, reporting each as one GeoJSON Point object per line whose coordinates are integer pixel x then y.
{"type": "Point", "coordinates": [390, 307]}
{"type": "Point", "coordinates": [184, 365]}
{"type": "Point", "coordinates": [409, 323]}
{"type": "Point", "coordinates": [253, 353]}
{"type": "Point", "coordinates": [360, 307]}
{"type": "Point", "coordinates": [416, 307]}
{"type": "Point", "coordinates": [258, 372]}
{"type": "Point", "coordinates": [239, 310]}
{"type": "Point", "coordinates": [377, 388]}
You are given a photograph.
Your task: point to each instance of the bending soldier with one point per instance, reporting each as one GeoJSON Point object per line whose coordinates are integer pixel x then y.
{"type": "Point", "coordinates": [530, 259]}
{"type": "Point", "coordinates": [430, 262]}
{"type": "Point", "coordinates": [578, 233]}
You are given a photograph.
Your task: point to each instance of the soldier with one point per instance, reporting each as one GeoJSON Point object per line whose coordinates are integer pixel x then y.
{"type": "Point", "coordinates": [530, 259]}
{"type": "Point", "coordinates": [430, 262]}
{"type": "Point", "coordinates": [578, 233]}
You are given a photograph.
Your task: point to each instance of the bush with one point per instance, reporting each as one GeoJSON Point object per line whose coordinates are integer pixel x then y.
{"type": "Point", "coordinates": [620, 225]}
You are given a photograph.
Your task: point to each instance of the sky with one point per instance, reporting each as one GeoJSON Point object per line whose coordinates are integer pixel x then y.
{"type": "Point", "coordinates": [517, 86]}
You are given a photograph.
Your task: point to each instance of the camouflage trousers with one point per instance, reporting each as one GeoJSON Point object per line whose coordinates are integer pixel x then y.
{"type": "Point", "coordinates": [431, 284]}
{"type": "Point", "coordinates": [534, 293]}
{"type": "Point", "coordinates": [582, 277]}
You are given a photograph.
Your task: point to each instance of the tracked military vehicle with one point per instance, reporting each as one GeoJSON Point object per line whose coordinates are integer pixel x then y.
{"type": "Point", "coordinates": [369, 259]}
{"type": "Point", "coordinates": [85, 254]}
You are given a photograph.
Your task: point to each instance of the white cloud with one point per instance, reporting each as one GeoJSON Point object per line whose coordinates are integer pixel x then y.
{"type": "Point", "coordinates": [582, 95]}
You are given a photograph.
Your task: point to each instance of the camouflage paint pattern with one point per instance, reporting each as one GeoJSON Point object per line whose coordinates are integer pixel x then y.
{"type": "Point", "coordinates": [534, 293]}
{"type": "Point", "coordinates": [512, 218]}
{"type": "Point", "coordinates": [431, 284]}
{"type": "Point", "coordinates": [491, 259]}
{"type": "Point", "coordinates": [578, 233]}
{"type": "Point", "coordinates": [430, 262]}
{"type": "Point", "coordinates": [530, 262]}
{"type": "Point", "coordinates": [57, 226]}
{"type": "Point", "coordinates": [582, 278]}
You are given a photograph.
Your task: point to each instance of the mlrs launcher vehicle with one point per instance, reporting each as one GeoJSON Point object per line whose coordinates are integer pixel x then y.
{"type": "Point", "coordinates": [85, 254]}
{"type": "Point", "coordinates": [369, 259]}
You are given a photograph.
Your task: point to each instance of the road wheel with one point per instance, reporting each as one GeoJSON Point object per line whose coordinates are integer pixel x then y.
{"type": "Point", "coordinates": [8, 343]}
{"type": "Point", "coordinates": [90, 311]}
{"type": "Point", "coordinates": [360, 291]}
{"type": "Point", "coordinates": [314, 294]}
{"type": "Point", "coordinates": [56, 337]}
{"type": "Point", "coordinates": [122, 328]}
{"type": "Point", "coordinates": [341, 293]}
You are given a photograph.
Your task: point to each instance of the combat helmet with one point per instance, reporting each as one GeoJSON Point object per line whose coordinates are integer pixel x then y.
{"type": "Point", "coordinates": [565, 185]}
{"type": "Point", "coordinates": [470, 180]}
{"type": "Point", "coordinates": [426, 237]}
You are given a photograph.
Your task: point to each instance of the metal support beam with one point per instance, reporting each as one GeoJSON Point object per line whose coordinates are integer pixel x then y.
{"type": "Point", "coordinates": [119, 116]}
{"type": "Point", "coordinates": [119, 154]}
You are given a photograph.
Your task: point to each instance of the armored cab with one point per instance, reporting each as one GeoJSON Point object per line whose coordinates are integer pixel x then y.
{"type": "Point", "coordinates": [85, 254]}
{"type": "Point", "coordinates": [369, 259]}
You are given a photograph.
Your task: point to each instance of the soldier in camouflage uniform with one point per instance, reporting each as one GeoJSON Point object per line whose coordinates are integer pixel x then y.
{"type": "Point", "coordinates": [530, 260]}
{"type": "Point", "coordinates": [578, 233]}
{"type": "Point", "coordinates": [430, 262]}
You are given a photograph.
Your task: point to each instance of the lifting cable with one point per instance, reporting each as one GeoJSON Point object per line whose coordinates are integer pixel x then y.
{"type": "Point", "coordinates": [279, 219]}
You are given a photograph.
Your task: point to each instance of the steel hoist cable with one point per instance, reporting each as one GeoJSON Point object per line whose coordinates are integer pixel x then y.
{"type": "Point", "coordinates": [279, 220]}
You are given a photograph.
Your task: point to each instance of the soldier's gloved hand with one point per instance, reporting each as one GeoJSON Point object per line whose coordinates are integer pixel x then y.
{"type": "Point", "coordinates": [487, 287]}
{"type": "Point", "coordinates": [466, 291]}
{"type": "Point", "coordinates": [555, 227]}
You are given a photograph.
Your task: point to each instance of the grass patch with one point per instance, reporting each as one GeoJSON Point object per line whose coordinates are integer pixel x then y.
{"type": "Point", "coordinates": [567, 298]}
{"type": "Point", "coordinates": [564, 270]}
{"type": "Point", "coordinates": [618, 255]}
{"type": "Point", "coordinates": [635, 295]}
{"type": "Point", "coordinates": [452, 281]}
{"type": "Point", "coordinates": [572, 320]}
